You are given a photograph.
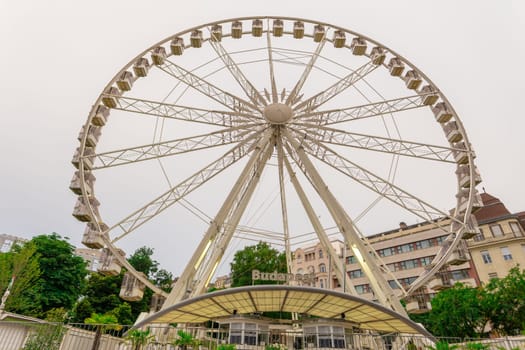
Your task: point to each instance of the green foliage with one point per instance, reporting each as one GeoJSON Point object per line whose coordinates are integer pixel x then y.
{"type": "Point", "coordinates": [442, 345]}
{"type": "Point", "coordinates": [458, 312]}
{"type": "Point", "coordinates": [275, 347]}
{"type": "Point", "coordinates": [107, 321]}
{"type": "Point", "coordinates": [508, 297]}
{"type": "Point", "coordinates": [139, 338]}
{"type": "Point", "coordinates": [22, 264]}
{"type": "Point", "coordinates": [185, 340]}
{"type": "Point", "coordinates": [56, 315]}
{"type": "Point", "coordinates": [476, 346]}
{"type": "Point", "coordinates": [102, 323]}
{"type": "Point", "coordinates": [124, 314]}
{"type": "Point", "coordinates": [101, 294]}
{"type": "Point", "coordinates": [141, 260]}
{"type": "Point", "coordinates": [261, 257]}
{"type": "Point", "coordinates": [61, 279]}
{"type": "Point", "coordinates": [45, 337]}
{"type": "Point", "coordinates": [163, 279]}
{"type": "Point", "coordinates": [226, 347]}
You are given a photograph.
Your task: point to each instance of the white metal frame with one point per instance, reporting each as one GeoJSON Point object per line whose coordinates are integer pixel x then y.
{"type": "Point", "coordinates": [298, 142]}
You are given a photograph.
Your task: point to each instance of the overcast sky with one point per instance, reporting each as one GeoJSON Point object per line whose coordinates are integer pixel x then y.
{"type": "Point", "coordinates": [56, 57]}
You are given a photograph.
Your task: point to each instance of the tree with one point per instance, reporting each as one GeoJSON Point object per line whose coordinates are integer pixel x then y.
{"type": "Point", "coordinates": [163, 279]}
{"type": "Point", "coordinates": [21, 266]}
{"type": "Point", "coordinates": [101, 294]}
{"type": "Point", "coordinates": [261, 257]}
{"type": "Point", "coordinates": [185, 340]}
{"type": "Point", "coordinates": [459, 312]}
{"type": "Point", "coordinates": [139, 338]}
{"type": "Point", "coordinates": [62, 273]}
{"type": "Point", "coordinates": [141, 260]}
{"type": "Point", "coordinates": [508, 297]}
{"type": "Point", "coordinates": [102, 323]}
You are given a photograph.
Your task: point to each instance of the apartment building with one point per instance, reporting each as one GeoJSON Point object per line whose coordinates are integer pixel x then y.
{"type": "Point", "coordinates": [7, 241]}
{"type": "Point", "coordinates": [408, 249]}
{"type": "Point", "coordinates": [500, 245]}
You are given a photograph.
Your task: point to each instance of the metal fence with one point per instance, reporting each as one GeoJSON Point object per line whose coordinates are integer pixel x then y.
{"type": "Point", "coordinates": [54, 336]}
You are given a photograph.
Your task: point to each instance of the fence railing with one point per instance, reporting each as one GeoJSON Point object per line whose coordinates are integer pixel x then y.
{"type": "Point", "coordinates": [57, 336]}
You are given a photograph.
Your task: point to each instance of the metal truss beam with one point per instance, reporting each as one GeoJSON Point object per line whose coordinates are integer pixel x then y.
{"type": "Point", "coordinates": [377, 143]}
{"type": "Point", "coordinates": [334, 116]}
{"type": "Point", "coordinates": [316, 101]}
{"type": "Point", "coordinates": [208, 89]}
{"type": "Point", "coordinates": [174, 194]}
{"type": "Point", "coordinates": [373, 182]}
{"type": "Point", "coordinates": [184, 113]}
{"type": "Point", "coordinates": [173, 147]}
{"type": "Point", "coordinates": [250, 91]}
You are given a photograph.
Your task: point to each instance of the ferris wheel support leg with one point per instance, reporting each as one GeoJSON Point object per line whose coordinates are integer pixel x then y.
{"type": "Point", "coordinates": [340, 270]}
{"type": "Point", "coordinates": [232, 221]}
{"type": "Point", "coordinates": [184, 284]}
{"type": "Point", "coordinates": [284, 211]}
{"type": "Point", "coordinates": [380, 286]}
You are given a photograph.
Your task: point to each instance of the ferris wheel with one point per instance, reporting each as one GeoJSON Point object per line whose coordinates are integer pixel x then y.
{"type": "Point", "coordinates": [270, 128]}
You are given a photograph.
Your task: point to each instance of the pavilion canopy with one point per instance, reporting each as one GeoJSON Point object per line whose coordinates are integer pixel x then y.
{"type": "Point", "coordinates": [303, 300]}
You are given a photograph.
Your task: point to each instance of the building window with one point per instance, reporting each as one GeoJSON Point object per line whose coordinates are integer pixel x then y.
{"type": "Point", "coordinates": [322, 268]}
{"type": "Point", "coordinates": [493, 275]}
{"type": "Point", "coordinates": [459, 275]}
{"type": "Point", "coordinates": [6, 247]}
{"type": "Point", "coordinates": [486, 257]}
{"type": "Point", "coordinates": [320, 253]}
{"type": "Point", "coordinates": [506, 253]}
{"type": "Point", "coordinates": [355, 273]}
{"type": "Point", "coordinates": [362, 288]}
{"type": "Point", "coordinates": [496, 230]}
{"type": "Point", "coordinates": [351, 259]}
{"type": "Point", "coordinates": [479, 237]}
{"type": "Point", "coordinates": [515, 228]}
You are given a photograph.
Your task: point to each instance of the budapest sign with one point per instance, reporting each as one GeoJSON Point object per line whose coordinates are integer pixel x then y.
{"type": "Point", "coordinates": [283, 277]}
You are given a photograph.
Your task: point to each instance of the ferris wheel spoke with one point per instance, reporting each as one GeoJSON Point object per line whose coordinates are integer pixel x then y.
{"type": "Point", "coordinates": [254, 96]}
{"type": "Point", "coordinates": [270, 63]}
{"type": "Point", "coordinates": [208, 89]}
{"type": "Point", "coordinates": [343, 84]}
{"type": "Point", "coordinates": [292, 98]}
{"type": "Point", "coordinates": [375, 109]}
{"type": "Point", "coordinates": [174, 147]}
{"type": "Point", "coordinates": [378, 143]}
{"type": "Point", "coordinates": [174, 194]}
{"type": "Point", "coordinates": [373, 182]}
{"type": "Point", "coordinates": [185, 113]}
{"type": "Point", "coordinates": [201, 263]}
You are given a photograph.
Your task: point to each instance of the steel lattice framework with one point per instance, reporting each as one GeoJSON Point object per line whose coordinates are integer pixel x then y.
{"type": "Point", "coordinates": [301, 96]}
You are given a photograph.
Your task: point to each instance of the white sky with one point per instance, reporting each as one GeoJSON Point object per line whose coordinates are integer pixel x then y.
{"type": "Point", "coordinates": [56, 57]}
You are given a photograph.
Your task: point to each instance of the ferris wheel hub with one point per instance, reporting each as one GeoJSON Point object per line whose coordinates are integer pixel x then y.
{"type": "Point", "coordinates": [278, 113]}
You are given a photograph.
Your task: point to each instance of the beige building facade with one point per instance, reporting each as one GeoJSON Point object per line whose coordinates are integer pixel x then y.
{"type": "Point", "coordinates": [500, 245]}
{"type": "Point", "coordinates": [408, 250]}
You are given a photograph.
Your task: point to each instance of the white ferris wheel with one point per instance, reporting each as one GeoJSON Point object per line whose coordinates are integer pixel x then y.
{"type": "Point", "coordinates": [270, 128]}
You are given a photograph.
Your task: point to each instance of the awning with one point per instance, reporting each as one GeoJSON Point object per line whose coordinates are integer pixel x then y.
{"type": "Point", "coordinates": [303, 300]}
